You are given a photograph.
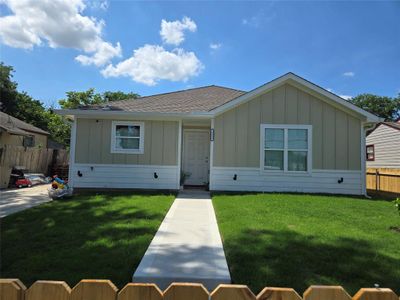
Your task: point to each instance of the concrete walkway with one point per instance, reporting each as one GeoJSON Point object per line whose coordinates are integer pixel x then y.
{"type": "Point", "coordinates": [14, 200]}
{"type": "Point", "coordinates": [187, 246]}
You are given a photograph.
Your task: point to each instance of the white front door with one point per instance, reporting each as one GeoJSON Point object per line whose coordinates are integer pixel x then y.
{"type": "Point", "coordinates": [196, 156]}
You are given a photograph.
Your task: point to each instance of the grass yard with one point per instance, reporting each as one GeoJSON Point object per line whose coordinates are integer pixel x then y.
{"type": "Point", "coordinates": [101, 237]}
{"type": "Point", "coordinates": [299, 240]}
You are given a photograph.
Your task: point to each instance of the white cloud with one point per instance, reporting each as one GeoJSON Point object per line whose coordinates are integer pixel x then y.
{"type": "Point", "coordinates": [59, 23]}
{"type": "Point", "coordinates": [349, 74]}
{"type": "Point", "coordinates": [98, 4]}
{"type": "Point", "coordinates": [104, 53]}
{"type": "Point", "coordinates": [260, 17]}
{"type": "Point", "coordinates": [173, 32]}
{"type": "Point", "coordinates": [346, 97]}
{"type": "Point", "coordinates": [152, 63]}
{"type": "Point", "coordinates": [215, 46]}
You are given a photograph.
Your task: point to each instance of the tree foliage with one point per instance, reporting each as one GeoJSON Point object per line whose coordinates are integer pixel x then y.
{"type": "Point", "coordinates": [8, 89]}
{"type": "Point", "coordinates": [77, 99]}
{"type": "Point", "coordinates": [118, 95]}
{"type": "Point", "coordinates": [384, 107]}
{"type": "Point", "coordinates": [22, 106]}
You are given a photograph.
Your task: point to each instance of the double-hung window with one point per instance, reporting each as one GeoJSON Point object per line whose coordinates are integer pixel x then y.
{"type": "Point", "coordinates": [370, 153]}
{"type": "Point", "coordinates": [127, 137]}
{"type": "Point", "coordinates": [286, 148]}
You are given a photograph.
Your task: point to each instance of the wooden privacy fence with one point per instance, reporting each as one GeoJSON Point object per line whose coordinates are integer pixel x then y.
{"type": "Point", "coordinates": [383, 180]}
{"type": "Point", "coordinates": [35, 160]}
{"type": "Point", "coordinates": [14, 289]}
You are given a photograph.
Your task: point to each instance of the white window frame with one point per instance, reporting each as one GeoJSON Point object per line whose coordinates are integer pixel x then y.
{"type": "Point", "coordinates": [114, 149]}
{"type": "Point", "coordinates": [286, 127]}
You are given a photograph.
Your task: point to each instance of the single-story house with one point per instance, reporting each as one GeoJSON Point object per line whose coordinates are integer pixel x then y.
{"type": "Point", "coordinates": [16, 132]}
{"type": "Point", "coordinates": [383, 146]}
{"type": "Point", "coordinates": [286, 135]}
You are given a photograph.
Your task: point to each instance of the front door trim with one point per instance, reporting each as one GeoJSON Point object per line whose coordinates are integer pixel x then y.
{"type": "Point", "coordinates": [206, 130]}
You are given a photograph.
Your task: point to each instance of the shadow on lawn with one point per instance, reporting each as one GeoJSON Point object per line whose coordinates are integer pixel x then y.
{"type": "Point", "coordinates": [78, 238]}
{"type": "Point", "coordinates": [262, 258]}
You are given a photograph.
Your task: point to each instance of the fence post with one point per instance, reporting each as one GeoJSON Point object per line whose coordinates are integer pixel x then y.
{"type": "Point", "coordinates": [48, 290]}
{"type": "Point", "coordinates": [186, 291]}
{"type": "Point", "coordinates": [12, 289]}
{"type": "Point", "coordinates": [94, 289]}
{"type": "Point", "coordinates": [271, 293]}
{"type": "Point", "coordinates": [232, 292]}
{"type": "Point", "coordinates": [377, 180]}
{"type": "Point", "coordinates": [316, 292]}
{"type": "Point", "coordinates": [140, 291]}
{"type": "Point", "coordinates": [375, 294]}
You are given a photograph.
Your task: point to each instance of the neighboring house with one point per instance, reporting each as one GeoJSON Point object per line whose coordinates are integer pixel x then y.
{"type": "Point", "coordinates": [19, 133]}
{"type": "Point", "coordinates": [286, 135]}
{"type": "Point", "coordinates": [383, 146]}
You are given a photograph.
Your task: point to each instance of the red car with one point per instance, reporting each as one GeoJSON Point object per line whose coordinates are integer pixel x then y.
{"type": "Point", "coordinates": [21, 182]}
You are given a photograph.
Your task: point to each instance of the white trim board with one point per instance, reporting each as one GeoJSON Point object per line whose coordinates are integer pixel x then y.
{"type": "Point", "coordinates": [179, 154]}
{"type": "Point", "coordinates": [72, 153]}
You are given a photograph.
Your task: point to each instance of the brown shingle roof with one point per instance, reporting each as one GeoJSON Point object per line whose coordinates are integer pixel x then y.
{"type": "Point", "coordinates": [200, 99]}
{"type": "Point", "coordinates": [16, 126]}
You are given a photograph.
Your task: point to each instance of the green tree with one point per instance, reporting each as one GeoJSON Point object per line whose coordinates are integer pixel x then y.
{"type": "Point", "coordinates": [8, 89]}
{"type": "Point", "coordinates": [118, 95]}
{"type": "Point", "coordinates": [76, 99]}
{"type": "Point", "coordinates": [22, 106]}
{"type": "Point", "coordinates": [30, 110]}
{"type": "Point", "coordinates": [384, 107]}
{"type": "Point", "coordinates": [58, 127]}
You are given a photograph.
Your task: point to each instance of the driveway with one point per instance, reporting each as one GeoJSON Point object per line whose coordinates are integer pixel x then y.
{"type": "Point", "coordinates": [14, 200]}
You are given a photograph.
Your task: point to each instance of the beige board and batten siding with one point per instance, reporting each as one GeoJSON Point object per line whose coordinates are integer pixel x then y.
{"type": "Point", "coordinates": [93, 144]}
{"type": "Point", "coordinates": [336, 145]}
{"type": "Point", "coordinates": [96, 167]}
{"type": "Point", "coordinates": [336, 134]}
{"type": "Point", "coordinates": [386, 141]}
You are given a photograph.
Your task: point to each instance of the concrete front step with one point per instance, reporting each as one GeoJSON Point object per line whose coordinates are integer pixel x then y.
{"type": "Point", "coordinates": [187, 247]}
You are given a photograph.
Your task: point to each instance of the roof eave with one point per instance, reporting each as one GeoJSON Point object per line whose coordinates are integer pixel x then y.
{"type": "Point", "coordinates": [109, 113]}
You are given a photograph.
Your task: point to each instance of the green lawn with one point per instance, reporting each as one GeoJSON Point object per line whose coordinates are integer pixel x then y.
{"type": "Point", "coordinates": [103, 236]}
{"type": "Point", "coordinates": [299, 240]}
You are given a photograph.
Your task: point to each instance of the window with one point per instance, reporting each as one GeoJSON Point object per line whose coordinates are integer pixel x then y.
{"type": "Point", "coordinates": [286, 148]}
{"type": "Point", "coordinates": [29, 141]}
{"type": "Point", "coordinates": [127, 137]}
{"type": "Point", "coordinates": [370, 152]}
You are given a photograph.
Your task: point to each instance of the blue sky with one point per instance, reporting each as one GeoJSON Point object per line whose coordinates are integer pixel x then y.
{"type": "Point", "coordinates": [347, 47]}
